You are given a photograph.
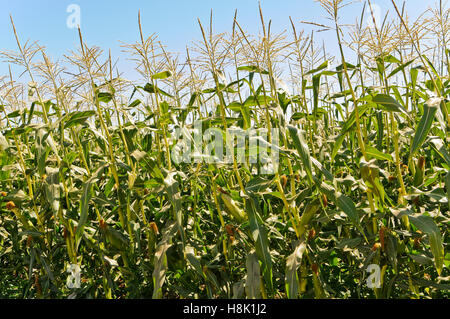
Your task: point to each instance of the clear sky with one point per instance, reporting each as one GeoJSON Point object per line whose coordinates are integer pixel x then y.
{"type": "Point", "coordinates": [104, 23]}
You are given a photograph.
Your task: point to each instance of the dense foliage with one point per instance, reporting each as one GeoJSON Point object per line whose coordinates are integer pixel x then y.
{"type": "Point", "coordinates": [87, 177]}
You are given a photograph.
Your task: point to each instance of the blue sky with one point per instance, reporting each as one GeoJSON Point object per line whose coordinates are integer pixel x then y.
{"type": "Point", "coordinates": [104, 23]}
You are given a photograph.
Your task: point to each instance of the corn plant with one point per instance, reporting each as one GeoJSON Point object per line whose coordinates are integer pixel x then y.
{"type": "Point", "coordinates": [97, 200]}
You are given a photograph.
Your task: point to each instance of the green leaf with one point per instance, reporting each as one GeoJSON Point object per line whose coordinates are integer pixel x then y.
{"type": "Point", "coordinates": [117, 239]}
{"type": "Point", "coordinates": [292, 263]}
{"type": "Point", "coordinates": [150, 88]}
{"type": "Point", "coordinates": [310, 210]}
{"type": "Point", "coordinates": [447, 185]}
{"type": "Point", "coordinates": [42, 149]}
{"type": "Point", "coordinates": [324, 171]}
{"type": "Point", "coordinates": [316, 89]}
{"type": "Point", "coordinates": [78, 117]}
{"type": "Point", "coordinates": [429, 110]}
{"type": "Point", "coordinates": [391, 250]}
{"type": "Point", "coordinates": [400, 68]}
{"type": "Point", "coordinates": [253, 281]}
{"type": "Point", "coordinates": [346, 127]}
{"type": "Point", "coordinates": [14, 114]}
{"type": "Point", "coordinates": [86, 196]}
{"type": "Point", "coordinates": [252, 68]}
{"type": "Point", "coordinates": [373, 152]}
{"type": "Point", "coordinates": [427, 225]}
{"type": "Point", "coordinates": [324, 65]}
{"type": "Point", "coordinates": [257, 184]}
{"type": "Point", "coordinates": [159, 272]}
{"type": "Point", "coordinates": [440, 148]}
{"type": "Point", "coordinates": [437, 79]}
{"type": "Point", "coordinates": [244, 110]}
{"type": "Point", "coordinates": [104, 97]}
{"type": "Point", "coordinates": [134, 103]}
{"type": "Point", "coordinates": [388, 103]}
{"type": "Point", "coordinates": [173, 192]}
{"type": "Point", "coordinates": [194, 261]}
{"type": "Point", "coordinates": [258, 100]}
{"type": "Point", "coordinates": [302, 149]}
{"type": "Point", "coordinates": [349, 208]}
{"type": "Point", "coordinates": [259, 235]}
{"type": "Point", "coordinates": [30, 116]}
{"type": "Point", "coordinates": [162, 75]}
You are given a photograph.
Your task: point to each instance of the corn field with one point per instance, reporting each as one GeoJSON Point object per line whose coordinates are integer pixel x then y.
{"type": "Point", "coordinates": [93, 203]}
